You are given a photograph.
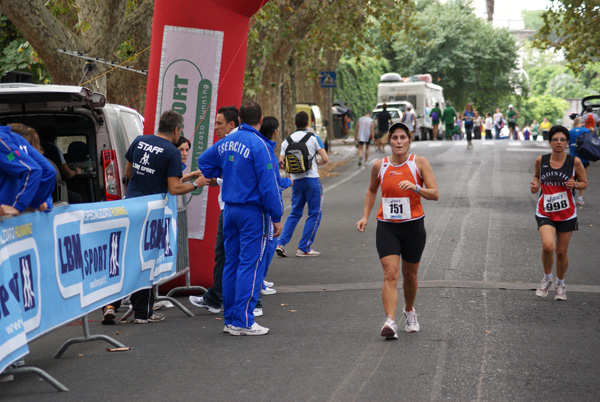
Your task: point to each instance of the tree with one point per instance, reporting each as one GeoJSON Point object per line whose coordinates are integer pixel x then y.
{"type": "Point", "coordinates": [471, 59]}
{"type": "Point", "coordinates": [538, 107]}
{"type": "Point", "coordinates": [292, 40]}
{"type": "Point", "coordinates": [572, 27]}
{"type": "Point", "coordinates": [108, 29]}
{"type": "Point", "coordinates": [16, 54]}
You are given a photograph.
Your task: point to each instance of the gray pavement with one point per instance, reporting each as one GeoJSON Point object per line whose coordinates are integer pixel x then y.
{"type": "Point", "coordinates": [484, 335]}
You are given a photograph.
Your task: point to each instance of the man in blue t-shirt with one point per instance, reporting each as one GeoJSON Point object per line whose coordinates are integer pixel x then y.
{"type": "Point", "coordinates": [575, 132]}
{"type": "Point", "coordinates": [154, 167]}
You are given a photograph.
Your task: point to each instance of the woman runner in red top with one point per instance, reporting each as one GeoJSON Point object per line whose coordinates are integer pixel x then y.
{"type": "Point", "coordinates": [558, 175]}
{"type": "Point", "coordinates": [404, 179]}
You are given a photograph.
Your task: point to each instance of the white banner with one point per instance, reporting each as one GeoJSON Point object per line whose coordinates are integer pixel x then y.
{"type": "Point", "coordinates": [188, 83]}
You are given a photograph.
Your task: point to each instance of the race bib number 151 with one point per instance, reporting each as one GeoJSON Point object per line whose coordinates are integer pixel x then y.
{"type": "Point", "coordinates": [396, 208]}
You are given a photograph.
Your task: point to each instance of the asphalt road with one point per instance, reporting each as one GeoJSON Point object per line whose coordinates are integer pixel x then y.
{"type": "Point", "coordinates": [484, 335]}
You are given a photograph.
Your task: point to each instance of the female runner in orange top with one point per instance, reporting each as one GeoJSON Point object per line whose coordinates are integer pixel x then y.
{"type": "Point", "coordinates": [404, 178]}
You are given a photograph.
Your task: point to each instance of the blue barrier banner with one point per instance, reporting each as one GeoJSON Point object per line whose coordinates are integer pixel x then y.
{"type": "Point", "coordinates": [59, 266]}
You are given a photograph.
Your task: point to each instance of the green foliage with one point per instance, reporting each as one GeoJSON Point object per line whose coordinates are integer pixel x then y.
{"type": "Point", "coordinates": [471, 59]}
{"type": "Point", "coordinates": [538, 107]}
{"type": "Point", "coordinates": [357, 82]}
{"type": "Point", "coordinates": [17, 55]}
{"type": "Point", "coordinates": [573, 27]}
{"type": "Point", "coordinates": [532, 19]}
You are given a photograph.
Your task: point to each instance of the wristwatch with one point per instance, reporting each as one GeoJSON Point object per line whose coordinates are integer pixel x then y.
{"type": "Point", "coordinates": [195, 185]}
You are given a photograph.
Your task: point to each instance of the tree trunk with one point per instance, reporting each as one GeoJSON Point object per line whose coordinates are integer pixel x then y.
{"type": "Point", "coordinates": [103, 27]}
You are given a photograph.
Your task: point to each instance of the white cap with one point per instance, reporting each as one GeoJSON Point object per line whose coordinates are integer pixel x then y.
{"type": "Point", "coordinates": [510, 106]}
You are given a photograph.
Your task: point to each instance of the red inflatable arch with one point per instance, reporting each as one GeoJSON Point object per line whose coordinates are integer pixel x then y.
{"type": "Point", "coordinates": [232, 18]}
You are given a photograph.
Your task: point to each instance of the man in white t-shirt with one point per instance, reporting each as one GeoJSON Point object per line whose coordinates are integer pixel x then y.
{"type": "Point", "coordinates": [410, 120]}
{"type": "Point", "coordinates": [306, 189]}
{"type": "Point", "coordinates": [363, 135]}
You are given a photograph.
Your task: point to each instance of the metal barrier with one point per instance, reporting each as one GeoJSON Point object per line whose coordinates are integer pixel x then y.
{"type": "Point", "coordinates": [183, 264]}
{"type": "Point", "coordinates": [183, 256]}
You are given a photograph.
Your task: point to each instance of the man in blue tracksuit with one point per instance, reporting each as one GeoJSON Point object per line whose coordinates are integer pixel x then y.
{"type": "Point", "coordinates": [20, 175]}
{"type": "Point", "coordinates": [251, 194]}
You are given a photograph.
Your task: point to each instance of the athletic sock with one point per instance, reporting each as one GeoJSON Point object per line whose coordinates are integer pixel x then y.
{"type": "Point", "coordinates": [560, 281]}
{"type": "Point", "coordinates": [548, 277]}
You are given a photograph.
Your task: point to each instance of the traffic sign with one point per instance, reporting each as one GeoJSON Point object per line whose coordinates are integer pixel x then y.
{"type": "Point", "coordinates": [328, 79]}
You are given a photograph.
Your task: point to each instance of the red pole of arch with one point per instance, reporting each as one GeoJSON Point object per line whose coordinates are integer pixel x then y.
{"type": "Point", "coordinates": [232, 17]}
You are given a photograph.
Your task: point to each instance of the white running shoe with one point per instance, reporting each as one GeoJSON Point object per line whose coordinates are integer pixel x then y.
{"type": "Point", "coordinates": [226, 328]}
{"type": "Point", "coordinates": [580, 201]}
{"type": "Point", "coordinates": [198, 301]}
{"type": "Point", "coordinates": [542, 290]}
{"type": "Point", "coordinates": [268, 284]}
{"type": "Point", "coordinates": [281, 251]}
{"type": "Point", "coordinates": [268, 291]}
{"type": "Point", "coordinates": [258, 312]}
{"type": "Point", "coordinates": [561, 293]}
{"type": "Point", "coordinates": [410, 321]}
{"type": "Point", "coordinates": [255, 329]}
{"type": "Point", "coordinates": [311, 253]}
{"type": "Point", "coordinates": [389, 329]}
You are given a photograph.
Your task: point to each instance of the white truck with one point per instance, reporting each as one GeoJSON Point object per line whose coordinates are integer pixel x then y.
{"type": "Point", "coordinates": [418, 90]}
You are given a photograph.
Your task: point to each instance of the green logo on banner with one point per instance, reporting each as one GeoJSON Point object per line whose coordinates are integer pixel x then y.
{"type": "Point", "coordinates": [230, 158]}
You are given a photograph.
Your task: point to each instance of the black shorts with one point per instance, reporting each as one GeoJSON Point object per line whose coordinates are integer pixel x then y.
{"type": "Point", "coordinates": [585, 164]}
{"type": "Point", "coordinates": [512, 124]}
{"type": "Point", "coordinates": [405, 239]}
{"type": "Point", "coordinates": [560, 226]}
{"type": "Point", "coordinates": [364, 142]}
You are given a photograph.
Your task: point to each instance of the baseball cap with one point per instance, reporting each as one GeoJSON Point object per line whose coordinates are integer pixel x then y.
{"type": "Point", "coordinates": [396, 126]}
{"type": "Point", "coordinates": [510, 106]}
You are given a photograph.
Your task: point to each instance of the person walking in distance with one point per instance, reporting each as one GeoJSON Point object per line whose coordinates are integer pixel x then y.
{"type": "Point", "coordinates": [409, 118]}
{"type": "Point", "coordinates": [252, 201]}
{"type": "Point", "coordinates": [384, 120]}
{"type": "Point", "coordinates": [512, 115]}
{"type": "Point", "coordinates": [227, 120]}
{"type": "Point", "coordinates": [306, 189]}
{"type": "Point", "coordinates": [575, 132]}
{"type": "Point", "coordinates": [363, 135]}
{"type": "Point", "coordinates": [404, 178]}
{"type": "Point", "coordinates": [556, 176]}
{"type": "Point", "coordinates": [449, 118]}
{"type": "Point", "coordinates": [436, 115]}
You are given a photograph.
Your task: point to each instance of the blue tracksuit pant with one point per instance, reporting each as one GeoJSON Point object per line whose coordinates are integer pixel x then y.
{"type": "Point", "coordinates": [245, 232]}
{"type": "Point", "coordinates": [304, 191]}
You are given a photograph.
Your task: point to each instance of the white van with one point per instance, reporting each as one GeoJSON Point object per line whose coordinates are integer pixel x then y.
{"type": "Point", "coordinates": [92, 134]}
{"type": "Point", "coordinates": [420, 92]}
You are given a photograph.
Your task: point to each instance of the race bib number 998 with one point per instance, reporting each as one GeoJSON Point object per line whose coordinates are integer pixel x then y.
{"type": "Point", "coordinates": [556, 202]}
{"type": "Point", "coordinates": [396, 208]}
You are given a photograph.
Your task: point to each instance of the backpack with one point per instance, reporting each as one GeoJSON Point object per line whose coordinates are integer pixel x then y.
{"type": "Point", "coordinates": [588, 146]}
{"type": "Point", "coordinates": [296, 158]}
{"type": "Point", "coordinates": [590, 122]}
{"type": "Point", "coordinates": [434, 116]}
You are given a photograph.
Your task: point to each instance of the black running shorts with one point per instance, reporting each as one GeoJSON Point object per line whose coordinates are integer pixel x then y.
{"type": "Point", "coordinates": [560, 226]}
{"type": "Point", "coordinates": [405, 239]}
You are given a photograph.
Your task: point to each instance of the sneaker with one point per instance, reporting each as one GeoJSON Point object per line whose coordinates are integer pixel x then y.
{"type": "Point", "coordinates": [580, 201]}
{"type": "Point", "coordinates": [561, 293]}
{"type": "Point", "coordinates": [281, 251]}
{"type": "Point", "coordinates": [255, 329]}
{"type": "Point", "coordinates": [268, 284]}
{"type": "Point", "coordinates": [155, 317]}
{"type": "Point", "coordinates": [258, 312]}
{"type": "Point", "coordinates": [108, 315]}
{"type": "Point", "coordinates": [389, 329]}
{"type": "Point", "coordinates": [198, 301]}
{"type": "Point", "coordinates": [410, 321]}
{"type": "Point", "coordinates": [226, 328]}
{"type": "Point", "coordinates": [311, 253]}
{"type": "Point", "coordinates": [268, 291]}
{"type": "Point", "coordinates": [542, 290]}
